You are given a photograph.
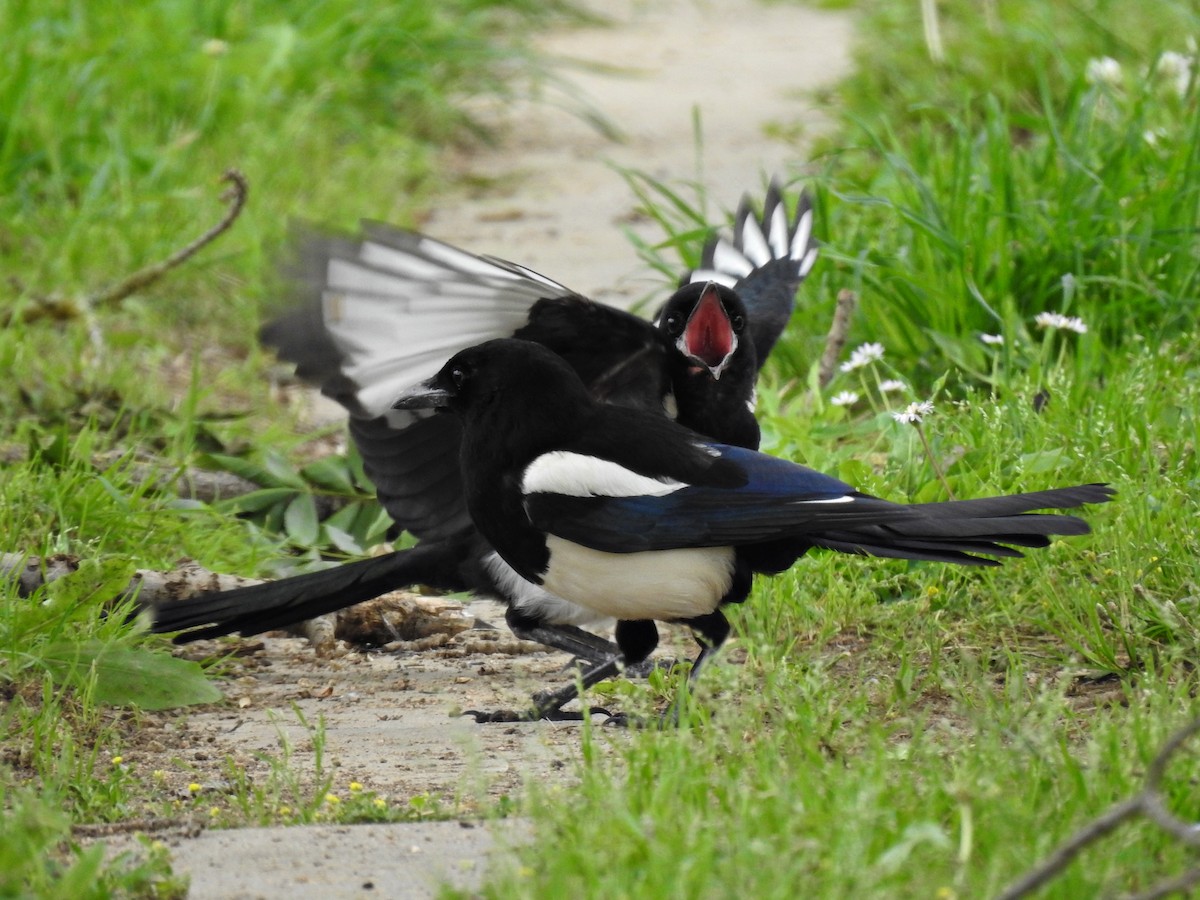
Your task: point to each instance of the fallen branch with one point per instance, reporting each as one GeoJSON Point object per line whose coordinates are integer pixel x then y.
{"type": "Point", "coordinates": [395, 616]}
{"type": "Point", "coordinates": [63, 309]}
{"type": "Point", "coordinates": [1148, 802]}
{"type": "Point", "coordinates": [839, 329]}
{"type": "Point", "coordinates": [235, 195]}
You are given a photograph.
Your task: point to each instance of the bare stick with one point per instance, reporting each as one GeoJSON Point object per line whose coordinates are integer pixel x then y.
{"type": "Point", "coordinates": [396, 615]}
{"type": "Point", "coordinates": [836, 340]}
{"type": "Point", "coordinates": [235, 196]}
{"type": "Point", "coordinates": [1147, 802]}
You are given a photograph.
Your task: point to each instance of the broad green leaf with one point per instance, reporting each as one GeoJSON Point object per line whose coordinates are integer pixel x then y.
{"type": "Point", "coordinates": [130, 676]}
{"type": "Point", "coordinates": [332, 473]}
{"type": "Point", "coordinates": [281, 470]}
{"type": "Point", "coordinates": [341, 539]}
{"type": "Point", "coordinates": [243, 468]}
{"type": "Point", "coordinates": [300, 521]}
{"type": "Point", "coordinates": [256, 501]}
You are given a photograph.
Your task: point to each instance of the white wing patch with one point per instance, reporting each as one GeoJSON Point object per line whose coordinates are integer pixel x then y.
{"type": "Point", "coordinates": [724, 278]}
{"type": "Point", "coordinates": [577, 475]}
{"type": "Point", "coordinates": [778, 227]}
{"type": "Point", "coordinates": [731, 260]}
{"type": "Point", "coordinates": [800, 241]}
{"type": "Point", "coordinates": [754, 245]}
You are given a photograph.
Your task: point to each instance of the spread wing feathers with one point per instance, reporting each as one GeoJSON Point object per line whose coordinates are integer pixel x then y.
{"type": "Point", "coordinates": [379, 314]}
{"type": "Point", "coordinates": [785, 501]}
{"type": "Point", "coordinates": [416, 473]}
{"type": "Point", "coordinates": [275, 604]}
{"type": "Point", "coordinates": [765, 262]}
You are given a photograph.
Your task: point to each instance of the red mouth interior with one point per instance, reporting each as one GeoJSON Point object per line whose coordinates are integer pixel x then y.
{"type": "Point", "coordinates": [708, 335]}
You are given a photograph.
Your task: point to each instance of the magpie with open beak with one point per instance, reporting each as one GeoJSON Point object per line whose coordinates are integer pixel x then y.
{"type": "Point", "coordinates": [633, 516]}
{"type": "Point", "coordinates": [377, 314]}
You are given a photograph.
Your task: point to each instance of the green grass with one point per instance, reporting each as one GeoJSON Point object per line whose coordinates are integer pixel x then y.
{"type": "Point", "coordinates": [914, 730]}
{"type": "Point", "coordinates": [897, 729]}
{"type": "Point", "coordinates": [116, 122]}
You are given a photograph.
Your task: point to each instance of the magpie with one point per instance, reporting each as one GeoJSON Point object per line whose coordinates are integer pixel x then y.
{"type": "Point", "coordinates": [635, 517]}
{"type": "Point", "coordinates": [378, 314]}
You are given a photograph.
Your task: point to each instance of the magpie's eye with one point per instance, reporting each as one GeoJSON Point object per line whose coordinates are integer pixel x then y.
{"type": "Point", "coordinates": [737, 323]}
{"type": "Point", "coordinates": [458, 375]}
{"type": "Point", "coordinates": [674, 323]}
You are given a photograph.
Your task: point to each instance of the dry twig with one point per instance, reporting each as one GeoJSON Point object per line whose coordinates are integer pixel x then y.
{"type": "Point", "coordinates": [1148, 802]}
{"type": "Point", "coordinates": [235, 195]}
{"type": "Point", "coordinates": [836, 340]}
{"type": "Point", "coordinates": [61, 309]}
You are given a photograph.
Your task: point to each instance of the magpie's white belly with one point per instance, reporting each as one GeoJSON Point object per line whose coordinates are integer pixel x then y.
{"type": "Point", "coordinates": [537, 602]}
{"type": "Point", "coordinates": [656, 584]}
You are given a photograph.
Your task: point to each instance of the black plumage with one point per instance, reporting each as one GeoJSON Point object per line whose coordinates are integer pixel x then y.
{"type": "Point", "coordinates": [375, 315]}
{"type": "Point", "coordinates": [636, 517]}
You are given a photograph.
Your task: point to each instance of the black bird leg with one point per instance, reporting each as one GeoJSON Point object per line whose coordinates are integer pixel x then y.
{"type": "Point", "coordinates": [711, 632]}
{"type": "Point", "coordinates": [584, 645]}
{"type": "Point", "coordinates": [636, 641]}
{"type": "Point", "coordinates": [549, 706]}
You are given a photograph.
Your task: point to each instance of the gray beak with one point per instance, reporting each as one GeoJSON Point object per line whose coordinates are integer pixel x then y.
{"type": "Point", "coordinates": [423, 396]}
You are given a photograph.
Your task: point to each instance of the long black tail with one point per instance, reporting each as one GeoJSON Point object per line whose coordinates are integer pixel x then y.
{"type": "Point", "coordinates": [953, 531]}
{"type": "Point", "coordinates": [277, 604]}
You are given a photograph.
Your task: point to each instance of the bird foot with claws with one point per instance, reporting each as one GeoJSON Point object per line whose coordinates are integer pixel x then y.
{"type": "Point", "coordinates": [484, 717]}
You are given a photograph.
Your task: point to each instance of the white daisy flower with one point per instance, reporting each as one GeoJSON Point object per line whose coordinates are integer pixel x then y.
{"type": "Point", "coordinates": [914, 413]}
{"type": "Point", "coordinates": [1103, 70]}
{"type": "Point", "coordinates": [845, 398]}
{"type": "Point", "coordinates": [1176, 68]}
{"type": "Point", "coordinates": [863, 355]}
{"type": "Point", "coordinates": [1058, 320]}
{"type": "Point", "coordinates": [892, 386]}
{"type": "Point", "coordinates": [992, 339]}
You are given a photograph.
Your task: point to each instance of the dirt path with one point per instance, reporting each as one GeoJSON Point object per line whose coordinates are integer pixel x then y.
{"type": "Point", "coordinates": [552, 204]}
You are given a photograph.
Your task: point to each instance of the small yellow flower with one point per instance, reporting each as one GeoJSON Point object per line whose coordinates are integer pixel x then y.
{"type": "Point", "coordinates": [159, 775]}
{"type": "Point", "coordinates": [333, 799]}
{"type": "Point", "coordinates": [193, 788]}
{"type": "Point", "coordinates": [214, 811]}
{"type": "Point", "coordinates": [355, 787]}
{"type": "Point", "coordinates": [285, 810]}
{"type": "Point", "coordinates": [117, 760]}
{"type": "Point", "coordinates": [380, 803]}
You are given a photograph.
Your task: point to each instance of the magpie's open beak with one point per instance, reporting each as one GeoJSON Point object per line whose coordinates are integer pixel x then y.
{"type": "Point", "coordinates": [425, 395]}
{"type": "Point", "coordinates": [708, 338]}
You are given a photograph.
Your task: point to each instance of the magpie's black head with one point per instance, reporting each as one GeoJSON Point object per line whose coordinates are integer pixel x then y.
{"type": "Point", "coordinates": [528, 378]}
{"type": "Point", "coordinates": [705, 322]}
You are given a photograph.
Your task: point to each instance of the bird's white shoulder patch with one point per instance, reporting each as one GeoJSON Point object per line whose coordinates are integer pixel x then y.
{"type": "Point", "coordinates": [670, 406]}
{"type": "Point", "coordinates": [578, 475]}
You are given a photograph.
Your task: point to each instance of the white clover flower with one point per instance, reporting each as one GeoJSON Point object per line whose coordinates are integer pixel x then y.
{"type": "Point", "coordinates": [914, 413]}
{"type": "Point", "coordinates": [845, 398]}
{"type": "Point", "coordinates": [892, 386]}
{"type": "Point", "coordinates": [1176, 68]}
{"type": "Point", "coordinates": [992, 339]}
{"type": "Point", "coordinates": [1058, 320]}
{"type": "Point", "coordinates": [863, 355]}
{"type": "Point", "coordinates": [1104, 70]}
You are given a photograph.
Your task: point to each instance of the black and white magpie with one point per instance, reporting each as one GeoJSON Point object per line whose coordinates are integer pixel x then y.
{"type": "Point", "coordinates": [380, 313]}
{"type": "Point", "coordinates": [635, 517]}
